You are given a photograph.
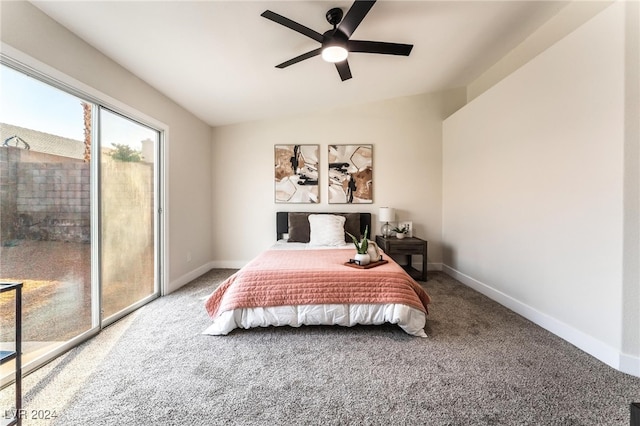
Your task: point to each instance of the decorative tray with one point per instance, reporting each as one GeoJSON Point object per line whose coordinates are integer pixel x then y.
{"type": "Point", "coordinates": [367, 266]}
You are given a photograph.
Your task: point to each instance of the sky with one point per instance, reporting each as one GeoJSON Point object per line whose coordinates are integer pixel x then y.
{"type": "Point", "coordinates": [29, 103]}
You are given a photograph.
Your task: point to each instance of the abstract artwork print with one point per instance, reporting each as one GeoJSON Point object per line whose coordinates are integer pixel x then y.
{"type": "Point", "coordinates": [350, 174]}
{"type": "Point", "coordinates": [296, 173]}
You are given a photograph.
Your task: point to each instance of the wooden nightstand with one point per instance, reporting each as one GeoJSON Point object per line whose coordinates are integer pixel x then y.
{"type": "Point", "coordinates": [407, 247]}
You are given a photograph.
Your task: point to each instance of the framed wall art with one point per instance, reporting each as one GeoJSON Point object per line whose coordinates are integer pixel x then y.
{"type": "Point", "coordinates": [409, 226]}
{"type": "Point", "coordinates": [296, 173]}
{"type": "Point", "coordinates": [350, 174]}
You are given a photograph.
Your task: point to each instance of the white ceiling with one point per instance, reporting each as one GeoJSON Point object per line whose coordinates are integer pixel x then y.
{"type": "Point", "coordinates": [217, 58]}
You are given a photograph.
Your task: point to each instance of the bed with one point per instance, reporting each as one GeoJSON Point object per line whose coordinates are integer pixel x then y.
{"type": "Point", "coordinates": [303, 280]}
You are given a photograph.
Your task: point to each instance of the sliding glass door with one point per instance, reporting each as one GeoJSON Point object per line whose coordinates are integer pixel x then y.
{"type": "Point", "coordinates": [79, 217]}
{"type": "Point", "coordinates": [128, 207]}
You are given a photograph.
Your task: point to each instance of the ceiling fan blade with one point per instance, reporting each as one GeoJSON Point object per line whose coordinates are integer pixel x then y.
{"type": "Point", "coordinates": [343, 70]}
{"type": "Point", "coordinates": [302, 57]}
{"type": "Point", "coordinates": [379, 47]}
{"type": "Point", "coordinates": [354, 16]}
{"type": "Point", "coordinates": [293, 25]}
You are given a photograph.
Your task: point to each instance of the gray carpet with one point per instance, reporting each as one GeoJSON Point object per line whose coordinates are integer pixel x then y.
{"type": "Point", "coordinates": [481, 365]}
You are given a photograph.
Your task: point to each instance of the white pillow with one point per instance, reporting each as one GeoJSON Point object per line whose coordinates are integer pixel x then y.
{"type": "Point", "coordinates": [326, 230]}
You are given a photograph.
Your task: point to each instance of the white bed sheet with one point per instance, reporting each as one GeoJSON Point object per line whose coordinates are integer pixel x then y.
{"type": "Point", "coordinates": [411, 320]}
{"type": "Point", "coordinates": [285, 245]}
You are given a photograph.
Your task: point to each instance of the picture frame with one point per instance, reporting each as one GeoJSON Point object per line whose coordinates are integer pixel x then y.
{"type": "Point", "coordinates": [350, 174]}
{"type": "Point", "coordinates": [296, 173]}
{"type": "Point", "coordinates": [409, 225]}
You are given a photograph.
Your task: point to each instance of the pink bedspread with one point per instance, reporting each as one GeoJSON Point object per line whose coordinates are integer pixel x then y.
{"type": "Point", "coordinates": [312, 277]}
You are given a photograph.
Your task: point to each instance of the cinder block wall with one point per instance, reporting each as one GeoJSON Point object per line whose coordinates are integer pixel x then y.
{"type": "Point", "coordinates": [53, 201]}
{"type": "Point", "coordinates": [8, 192]}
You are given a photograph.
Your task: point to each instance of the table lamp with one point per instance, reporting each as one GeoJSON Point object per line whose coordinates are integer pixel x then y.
{"type": "Point", "coordinates": [386, 214]}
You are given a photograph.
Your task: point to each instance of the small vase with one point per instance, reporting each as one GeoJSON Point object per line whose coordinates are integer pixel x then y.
{"type": "Point", "coordinates": [400, 235]}
{"type": "Point", "coordinates": [364, 259]}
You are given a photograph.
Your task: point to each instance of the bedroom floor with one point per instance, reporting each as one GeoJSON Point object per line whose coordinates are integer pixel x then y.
{"type": "Point", "coordinates": [481, 364]}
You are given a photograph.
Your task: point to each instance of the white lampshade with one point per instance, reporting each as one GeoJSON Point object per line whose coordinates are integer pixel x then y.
{"type": "Point", "coordinates": [386, 214]}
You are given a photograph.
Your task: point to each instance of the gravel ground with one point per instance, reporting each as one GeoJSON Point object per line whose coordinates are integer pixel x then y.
{"type": "Point", "coordinates": [56, 292]}
{"type": "Point", "coordinates": [57, 287]}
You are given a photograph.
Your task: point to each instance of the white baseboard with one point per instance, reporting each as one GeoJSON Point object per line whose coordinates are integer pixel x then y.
{"type": "Point", "coordinates": [229, 264]}
{"type": "Point", "coordinates": [189, 276]}
{"type": "Point", "coordinates": [630, 364]}
{"type": "Point", "coordinates": [625, 363]}
{"type": "Point", "coordinates": [433, 266]}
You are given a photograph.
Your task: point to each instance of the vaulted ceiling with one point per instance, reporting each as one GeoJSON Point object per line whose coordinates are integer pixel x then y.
{"type": "Point", "coordinates": [217, 58]}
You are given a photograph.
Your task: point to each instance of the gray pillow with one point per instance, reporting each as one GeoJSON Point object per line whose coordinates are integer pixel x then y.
{"type": "Point", "coordinates": [352, 225]}
{"type": "Point", "coordinates": [299, 228]}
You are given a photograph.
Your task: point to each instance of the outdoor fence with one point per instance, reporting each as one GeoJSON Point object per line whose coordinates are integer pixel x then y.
{"type": "Point", "coordinates": [44, 197]}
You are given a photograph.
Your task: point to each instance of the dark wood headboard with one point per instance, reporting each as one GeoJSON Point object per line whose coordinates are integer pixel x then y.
{"type": "Point", "coordinates": [282, 222]}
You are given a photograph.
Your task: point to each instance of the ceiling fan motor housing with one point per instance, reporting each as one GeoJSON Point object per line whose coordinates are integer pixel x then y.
{"type": "Point", "coordinates": [334, 38]}
{"type": "Point", "coordinates": [334, 16]}
{"type": "Point", "coordinates": [334, 42]}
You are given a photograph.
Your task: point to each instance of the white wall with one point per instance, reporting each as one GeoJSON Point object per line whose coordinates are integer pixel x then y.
{"type": "Point", "coordinates": [570, 17]}
{"type": "Point", "coordinates": [406, 134]}
{"type": "Point", "coordinates": [533, 189]}
{"type": "Point", "coordinates": [631, 260]}
{"type": "Point", "coordinates": [36, 36]}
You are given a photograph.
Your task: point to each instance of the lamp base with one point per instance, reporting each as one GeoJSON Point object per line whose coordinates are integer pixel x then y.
{"type": "Point", "coordinates": [386, 230]}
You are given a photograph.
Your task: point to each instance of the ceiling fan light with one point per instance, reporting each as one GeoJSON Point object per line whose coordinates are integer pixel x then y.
{"type": "Point", "coordinates": [334, 54]}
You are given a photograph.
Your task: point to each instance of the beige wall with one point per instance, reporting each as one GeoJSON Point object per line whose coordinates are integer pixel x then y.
{"type": "Point", "coordinates": [40, 40]}
{"type": "Point", "coordinates": [406, 134]}
{"type": "Point", "coordinates": [631, 245]}
{"type": "Point", "coordinates": [534, 194]}
{"type": "Point", "coordinates": [570, 17]}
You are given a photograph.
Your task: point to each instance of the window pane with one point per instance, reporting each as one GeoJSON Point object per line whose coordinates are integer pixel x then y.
{"type": "Point", "coordinates": [128, 211]}
{"type": "Point", "coordinates": [45, 226]}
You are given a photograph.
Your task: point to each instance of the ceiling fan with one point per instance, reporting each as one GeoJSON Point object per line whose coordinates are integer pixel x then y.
{"type": "Point", "coordinates": [336, 43]}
